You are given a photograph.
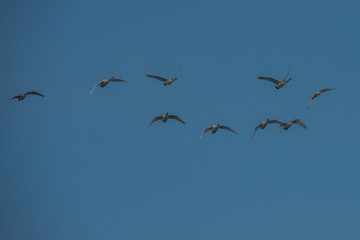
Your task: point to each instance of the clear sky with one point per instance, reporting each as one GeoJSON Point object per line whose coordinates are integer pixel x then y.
{"type": "Point", "coordinates": [74, 166]}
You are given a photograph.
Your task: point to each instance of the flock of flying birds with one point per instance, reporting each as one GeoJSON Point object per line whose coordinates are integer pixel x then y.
{"type": "Point", "coordinates": [213, 128]}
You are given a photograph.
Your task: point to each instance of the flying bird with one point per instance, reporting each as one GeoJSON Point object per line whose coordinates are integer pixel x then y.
{"type": "Point", "coordinates": [167, 82]}
{"type": "Point", "coordinates": [105, 82]}
{"type": "Point", "coordinates": [165, 117]}
{"type": "Point", "coordinates": [287, 125]}
{"type": "Point", "coordinates": [279, 84]}
{"type": "Point", "coordinates": [263, 124]}
{"type": "Point", "coordinates": [216, 127]}
{"type": "Point", "coordinates": [22, 96]}
{"type": "Point", "coordinates": [317, 93]}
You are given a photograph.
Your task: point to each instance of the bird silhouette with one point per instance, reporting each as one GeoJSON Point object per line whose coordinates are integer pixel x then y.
{"type": "Point", "coordinates": [22, 96]}
{"type": "Point", "coordinates": [105, 82]}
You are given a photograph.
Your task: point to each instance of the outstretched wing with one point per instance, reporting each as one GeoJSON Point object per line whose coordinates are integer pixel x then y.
{"type": "Point", "coordinates": [176, 118]}
{"type": "Point", "coordinates": [287, 76]}
{"type": "Point", "coordinates": [157, 77]}
{"type": "Point", "coordinates": [298, 122]}
{"type": "Point", "coordinates": [275, 121]}
{"type": "Point", "coordinates": [257, 127]}
{"type": "Point", "coordinates": [11, 100]}
{"type": "Point", "coordinates": [269, 79]}
{"type": "Point", "coordinates": [35, 93]}
{"type": "Point", "coordinates": [176, 72]}
{"type": "Point", "coordinates": [117, 80]}
{"type": "Point", "coordinates": [155, 119]}
{"type": "Point", "coordinates": [207, 129]}
{"type": "Point", "coordinates": [327, 89]}
{"type": "Point", "coordinates": [94, 88]}
{"type": "Point", "coordinates": [313, 96]}
{"type": "Point", "coordinates": [227, 128]}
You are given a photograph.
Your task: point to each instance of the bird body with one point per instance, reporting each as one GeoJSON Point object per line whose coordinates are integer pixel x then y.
{"type": "Point", "coordinates": [169, 81]}
{"type": "Point", "coordinates": [317, 93]}
{"type": "Point", "coordinates": [165, 118]}
{"type": "Point", "coordinates": [22, 96]}
{"type": "Point", "coordinates": [216, 127]}
{"type": "Point", "coordinates": [263, 124]}
{"type": "Point", "coordinates": [104, 82]}
{"type": "Point", "coordinates": [279, 84]}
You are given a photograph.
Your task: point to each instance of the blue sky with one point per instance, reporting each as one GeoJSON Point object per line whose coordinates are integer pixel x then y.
{"type": "Point", "coordinates": [75, 166]}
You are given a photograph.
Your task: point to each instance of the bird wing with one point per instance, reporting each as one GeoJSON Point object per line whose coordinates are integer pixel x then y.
{"type": "Point", "coordinates": [298, 122]}
{"type": "Point", "coordinates": [313, 96]}
{"type": "Point", "coordinates": [257, 127]}
{"type": "Point", "coordinates": [269, 79]}
{"type": "Point", "coordinates": [94, 88]}
{"type": "Point", "coordinates": [287, 76]}
{"type": "Point", "coordinates": [176, 72]}
{"type": "Point", "coordinates": [157, 77]}
{"type": "Point", "coordinates": [227, 128]}
{"type": "Point", "coordinates": [155, 119]}
{"type": "Point", "coordinates": [176, 118]}
{"type": "Point", "coordinates": [117, 80]}
{"type": "Point", "coordinates": [11, 100]}
{"type": "Point", "coordinates": [35, 93]}
{"type": "Point", "coordinates": [275, 121]}
{"type": "Point", "coordinates": [327, 89]}
{"type": "Point", "coordinates": [207, 129]}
